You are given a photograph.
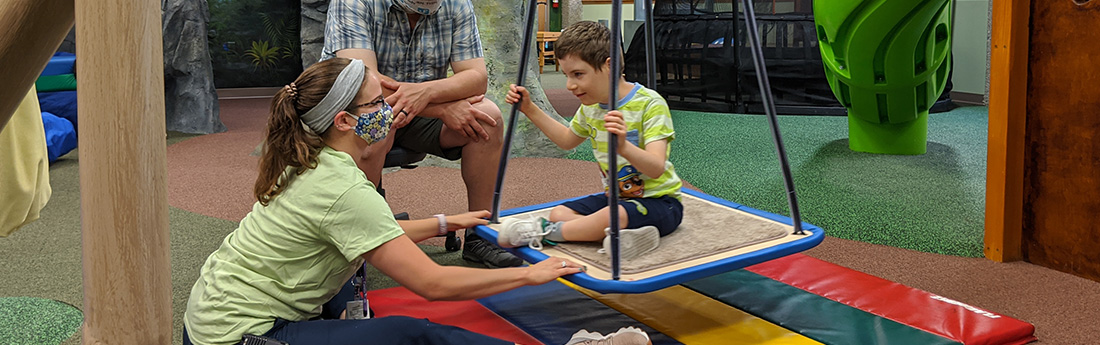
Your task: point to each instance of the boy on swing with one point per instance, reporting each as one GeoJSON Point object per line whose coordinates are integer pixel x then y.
{"type": "Point", "coordinates": [649, 189]}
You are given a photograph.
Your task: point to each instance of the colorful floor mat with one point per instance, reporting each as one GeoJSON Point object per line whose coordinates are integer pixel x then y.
{"type": "Point", "coordinates": [837, 305]}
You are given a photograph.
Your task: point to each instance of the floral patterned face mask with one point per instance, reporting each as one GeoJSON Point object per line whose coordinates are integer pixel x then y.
{"type": "Point", "coordinates": [374, 126]}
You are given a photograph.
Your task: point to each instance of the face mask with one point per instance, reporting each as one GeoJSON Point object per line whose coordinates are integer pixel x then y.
{"type": "Point", "coordinates": [424, 7]}
{"type": "Point", "coordinates": [373, 127]}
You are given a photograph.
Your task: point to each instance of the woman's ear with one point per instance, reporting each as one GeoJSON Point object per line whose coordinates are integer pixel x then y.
{"type": "Point", "coordinates": [344, 121]}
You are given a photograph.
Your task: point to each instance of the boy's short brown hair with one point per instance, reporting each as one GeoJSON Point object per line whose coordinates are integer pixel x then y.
{"type": "Point", "coordinates": [585, 40]}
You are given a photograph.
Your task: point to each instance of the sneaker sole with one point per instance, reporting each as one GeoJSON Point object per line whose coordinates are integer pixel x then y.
{"type": "Point", "coordinates": [635, 242]}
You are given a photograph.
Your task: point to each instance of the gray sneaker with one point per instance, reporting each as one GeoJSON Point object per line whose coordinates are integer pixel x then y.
{"type": "Point", "coordinates": [624, 336]}
{"type": "Point", "coordinates": [633, 242]}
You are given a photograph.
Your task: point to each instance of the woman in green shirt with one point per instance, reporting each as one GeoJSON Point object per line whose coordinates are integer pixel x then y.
{"type": "Point", "coordinates": [317, 219]}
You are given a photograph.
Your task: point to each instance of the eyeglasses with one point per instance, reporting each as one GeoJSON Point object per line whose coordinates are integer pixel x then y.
{"type": "Point", "coordinates": [371, 106]}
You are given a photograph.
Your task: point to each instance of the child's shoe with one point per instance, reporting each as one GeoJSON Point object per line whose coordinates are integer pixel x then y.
{"type": "Point", "coordinates": [633, 242]}
{"type": "Point", "coordinates": [515, 232]}
{"type": "Point", "coordinates": [624, 336]}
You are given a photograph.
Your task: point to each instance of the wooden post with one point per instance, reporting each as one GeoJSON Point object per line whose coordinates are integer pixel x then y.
{"type": "Point", "coordinates": [1007, 121]}
{"type": "Point", "coordinates": [124, 208]}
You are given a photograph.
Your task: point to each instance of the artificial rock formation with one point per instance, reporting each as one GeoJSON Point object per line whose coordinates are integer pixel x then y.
{"type": "Point", "coordinates": [191, 102]}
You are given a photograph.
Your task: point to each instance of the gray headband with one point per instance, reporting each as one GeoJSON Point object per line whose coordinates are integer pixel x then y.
{"type": "Point", "coordinates": [338, 98]}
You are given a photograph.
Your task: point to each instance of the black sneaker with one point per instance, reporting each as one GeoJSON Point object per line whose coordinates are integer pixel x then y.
{"type": "Point", "coordinates": [481, 251]}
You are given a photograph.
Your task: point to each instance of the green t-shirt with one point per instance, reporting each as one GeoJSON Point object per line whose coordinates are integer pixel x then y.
{"type": "Point", "coordinates": [287, 259]}
{"type": "Point", "coordinates": [647, 120]}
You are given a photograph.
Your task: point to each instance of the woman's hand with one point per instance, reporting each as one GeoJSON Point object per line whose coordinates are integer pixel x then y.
{"type": "Point", "coordinates": [614, 123]}
{"type": "Point", "coordinates": [467, 220]}
{"type": "Point", "coordinates": [520, 94]}
{"type": "Point", "coordinates": [550, 269]}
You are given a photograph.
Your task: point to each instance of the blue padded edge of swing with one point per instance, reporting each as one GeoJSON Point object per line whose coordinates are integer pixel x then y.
{"type": "Point", "coordinates": [675, 277]}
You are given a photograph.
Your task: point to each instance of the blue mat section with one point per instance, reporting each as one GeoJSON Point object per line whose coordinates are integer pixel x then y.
{"type": "Point", "coordinates": [60, 63]}
{"type": "Point", "coordinates": [60, 136]}
{"type": "Point", "coordinates": [60, 103]}
{"type": "Point", "coordinates": [552, 312]}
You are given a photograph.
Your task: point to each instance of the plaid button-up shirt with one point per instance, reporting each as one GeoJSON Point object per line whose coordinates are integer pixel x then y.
{"type": "Point", "coordinates": [417, 55]}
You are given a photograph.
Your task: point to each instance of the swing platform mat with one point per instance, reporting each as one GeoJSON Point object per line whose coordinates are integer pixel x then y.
{"type": "Point", "coordinates": [715, 236]}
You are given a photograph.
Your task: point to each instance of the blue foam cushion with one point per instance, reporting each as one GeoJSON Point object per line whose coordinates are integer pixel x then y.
{"type": "Point", "coordinates": [60, 136]}
{"type": "Point", "coordinates": [60, 103]}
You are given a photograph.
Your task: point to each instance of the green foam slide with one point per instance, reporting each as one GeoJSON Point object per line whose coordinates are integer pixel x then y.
{"type": "Point", "coordinates": [887, 63]}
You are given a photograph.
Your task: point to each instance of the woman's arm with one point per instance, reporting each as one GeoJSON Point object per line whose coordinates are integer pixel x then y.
{"type": "Point", "coordinates": [403, 261]}
{"type": "Point", "coordinates": [422, 229]}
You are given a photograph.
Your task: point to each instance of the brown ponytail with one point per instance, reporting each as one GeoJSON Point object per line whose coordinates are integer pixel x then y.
{"type": "Point", "coordinates": [288, 142]}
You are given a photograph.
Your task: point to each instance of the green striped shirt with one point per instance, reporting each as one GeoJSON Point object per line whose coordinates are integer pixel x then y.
{"type": "Point", "coordinates": [647, 120]}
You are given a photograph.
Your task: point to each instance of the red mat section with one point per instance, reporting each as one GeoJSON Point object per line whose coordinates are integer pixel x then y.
{"type": "Point", "coordinates": [469, 315]}
{"type": "Point", "coordinates": [916, 308]}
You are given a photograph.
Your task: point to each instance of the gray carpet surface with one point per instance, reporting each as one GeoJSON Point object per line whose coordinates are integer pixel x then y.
{"type": "Point", "coordinates": [707, 229]}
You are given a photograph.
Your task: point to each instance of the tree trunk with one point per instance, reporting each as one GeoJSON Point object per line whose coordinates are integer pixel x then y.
{"type": "Point", "coordinates": [501, 25]}
{"type": "Point", "coordinates": [571, 12]}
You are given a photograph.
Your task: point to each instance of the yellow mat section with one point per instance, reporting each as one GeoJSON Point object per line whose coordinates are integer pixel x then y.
{"type": "Point", "coordinates": [692, 318]}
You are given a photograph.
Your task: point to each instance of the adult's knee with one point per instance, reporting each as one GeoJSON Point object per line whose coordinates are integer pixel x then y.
{"type": "Point", "coordinates": [491, 109]}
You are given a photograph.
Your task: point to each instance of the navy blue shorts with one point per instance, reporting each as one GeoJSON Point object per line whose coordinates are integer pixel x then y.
{"type": "Point", "coordinates": [664, 212]}
{"type": "Point", "coordinates": [382, 330]}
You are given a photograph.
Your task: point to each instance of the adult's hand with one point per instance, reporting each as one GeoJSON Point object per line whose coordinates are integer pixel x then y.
{"type": "Point", "coordinates": [467, 220]}
{"type": "Point", "coordinates": [408, 99]}
{"type": "Point", "coordinates": [550, 269]}
{"type": "Point", "coordinates": [462, 117]}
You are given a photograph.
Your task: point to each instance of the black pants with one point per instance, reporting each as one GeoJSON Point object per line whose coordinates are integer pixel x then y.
{"type": "Point", "coordinates": [384, 330]}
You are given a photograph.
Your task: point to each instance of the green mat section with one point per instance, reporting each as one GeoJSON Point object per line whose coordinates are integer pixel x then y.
{"type": "Point", "coordinates": [931, 203]}
{"type": "Point", "coordinates": [60, 82]}
{"type": "Point", "coordinates": [37, 321]}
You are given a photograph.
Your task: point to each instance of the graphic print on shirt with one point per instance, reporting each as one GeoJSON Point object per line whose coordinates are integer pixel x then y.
{"type": "Point", "coordinates": [629, 179]}
{"type": "Point", "coordinates": [630, 183]}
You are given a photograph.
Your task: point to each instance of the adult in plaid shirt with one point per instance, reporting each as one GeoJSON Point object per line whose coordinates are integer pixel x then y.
{"type": "Point", "coordinates": [411, 44]}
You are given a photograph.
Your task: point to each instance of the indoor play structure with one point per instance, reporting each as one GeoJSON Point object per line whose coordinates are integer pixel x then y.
{"type": "Point", "coordinates": [794, 299]}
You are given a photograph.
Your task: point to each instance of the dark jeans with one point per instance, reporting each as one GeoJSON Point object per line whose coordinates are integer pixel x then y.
{"type": "Point", "coordinates": [384, 330]}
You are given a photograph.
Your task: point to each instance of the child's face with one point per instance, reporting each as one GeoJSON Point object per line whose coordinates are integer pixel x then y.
{"type": "Point", "coordinates": [584, 81]}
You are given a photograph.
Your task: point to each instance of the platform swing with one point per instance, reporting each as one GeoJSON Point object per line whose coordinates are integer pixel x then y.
{"type": "Point", "coordinates": [705, 244]}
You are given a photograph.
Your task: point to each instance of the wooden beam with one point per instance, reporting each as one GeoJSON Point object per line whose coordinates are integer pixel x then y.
{"type": "Point", "coordinates": [124, 206]}
{"type": "Point", "coordinates": [30, 31]}
{"type": "Point", "coordinates": [1007, 121]}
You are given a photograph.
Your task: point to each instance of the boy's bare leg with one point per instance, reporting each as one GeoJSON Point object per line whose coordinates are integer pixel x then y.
{"type": "Point", "coordinates": [590, 228]}
{"type": "Point", "coordinates": [563, 214]}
